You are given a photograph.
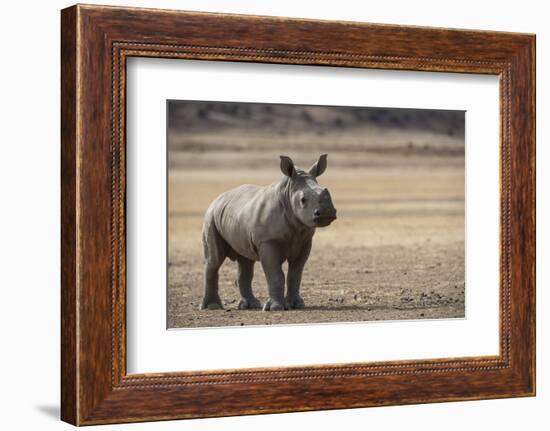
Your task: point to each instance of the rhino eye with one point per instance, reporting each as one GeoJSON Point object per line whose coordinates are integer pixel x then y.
{"type": "Point", "coordinates": [303, 200]}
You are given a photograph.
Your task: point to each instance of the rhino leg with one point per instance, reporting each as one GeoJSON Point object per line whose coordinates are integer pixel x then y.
{"type": "Point", "coordinates": [215, 252]}
{"type": "Point", "coordinates": [294, 278]}
{"type": "Point", "coordinates": [244, 281]}
{"type": "Point", "coordinates": [271, 260]}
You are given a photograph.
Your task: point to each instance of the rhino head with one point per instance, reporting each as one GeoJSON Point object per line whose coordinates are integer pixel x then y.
{"type": "Point", "coordinates": [310, 203]}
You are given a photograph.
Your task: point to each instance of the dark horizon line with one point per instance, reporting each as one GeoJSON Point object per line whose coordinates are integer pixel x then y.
{"type": "Point", "coordinates": [168, 101]}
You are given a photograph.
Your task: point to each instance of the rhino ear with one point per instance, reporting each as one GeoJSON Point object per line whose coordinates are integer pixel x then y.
{"type": "Point", "coordinates": [287, 166]}
{"type": "Point", "coordinates": [318, 168]}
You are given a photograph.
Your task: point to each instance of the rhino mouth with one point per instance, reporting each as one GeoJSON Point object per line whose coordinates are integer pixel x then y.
{"type": "Point", "coordinates": [323, 221]}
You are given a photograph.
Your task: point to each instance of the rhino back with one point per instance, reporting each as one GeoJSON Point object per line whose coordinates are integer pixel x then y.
{"type": "Point", "coordinates": [249, 215]}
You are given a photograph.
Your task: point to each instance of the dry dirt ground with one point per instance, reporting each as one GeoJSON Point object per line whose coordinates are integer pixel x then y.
{"type": "Point", "coordinates": [395, 252]}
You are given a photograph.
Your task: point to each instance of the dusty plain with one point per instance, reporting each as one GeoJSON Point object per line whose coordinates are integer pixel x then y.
{"type": "Point", "coordinates": [395, 252]}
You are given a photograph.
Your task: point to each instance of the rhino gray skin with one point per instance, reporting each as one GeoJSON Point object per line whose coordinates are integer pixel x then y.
{"type": "Point", "coordinates": [271, 224]}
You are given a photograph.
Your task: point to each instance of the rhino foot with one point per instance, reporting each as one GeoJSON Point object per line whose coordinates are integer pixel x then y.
{"type": "Point", "coordinates": [272, 305]}
{"type": "Point", "coordinates": [249, 303]}
{"type": "Point", "coordinates": [211, 305]}
{"type": "Point", "coordinates": [295, 303]}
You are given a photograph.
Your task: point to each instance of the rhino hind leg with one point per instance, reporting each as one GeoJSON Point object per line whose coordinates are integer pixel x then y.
{"type": "Point", "coordinates": [244, 281]}
{"type": "Point", "coordinates": [215, 252]}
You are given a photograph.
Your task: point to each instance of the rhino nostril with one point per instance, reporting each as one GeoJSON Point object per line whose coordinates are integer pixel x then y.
{"type": "Point", "coordinates": [316, 213]}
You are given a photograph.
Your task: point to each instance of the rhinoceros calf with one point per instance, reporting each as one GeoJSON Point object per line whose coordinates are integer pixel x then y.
{"type": "Point", "coordinates": [271, 224]}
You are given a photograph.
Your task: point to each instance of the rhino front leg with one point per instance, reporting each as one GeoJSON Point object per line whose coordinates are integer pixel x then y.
{"type": "Point", "coordinates": [294, 278]}
{"type": "Point", "coordinates": [244, 281]}
{"type": "Point", "coordinates": [271, 260]}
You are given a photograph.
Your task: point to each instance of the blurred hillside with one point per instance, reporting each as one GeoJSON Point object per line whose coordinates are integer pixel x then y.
{"type": "Point", "coordinates": [354, 136]}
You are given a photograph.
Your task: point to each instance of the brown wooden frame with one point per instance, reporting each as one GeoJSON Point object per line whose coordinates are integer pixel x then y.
{"type": "Point", "coordinates": [95, 43]}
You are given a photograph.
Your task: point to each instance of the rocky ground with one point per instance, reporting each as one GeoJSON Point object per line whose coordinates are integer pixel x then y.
{"type": "Point", "coordinates": [395, 252]}
{"type": "Point", "coordinates": [396, 177]}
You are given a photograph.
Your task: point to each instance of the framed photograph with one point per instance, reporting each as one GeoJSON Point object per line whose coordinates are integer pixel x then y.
{"type": "Point", "coordinates": [264, 214]}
